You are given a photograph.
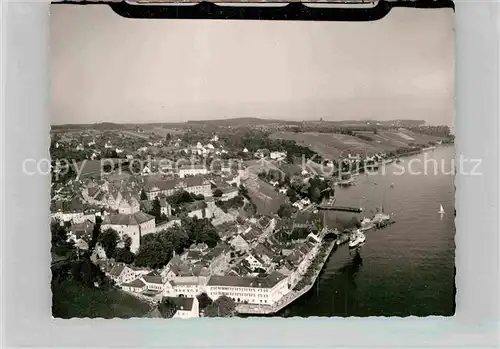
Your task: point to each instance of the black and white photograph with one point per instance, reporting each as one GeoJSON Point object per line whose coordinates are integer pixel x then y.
{"type": "Point", "coordinates": [229, 168]}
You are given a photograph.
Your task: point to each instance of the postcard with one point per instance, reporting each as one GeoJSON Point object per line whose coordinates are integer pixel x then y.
{"type": "Point", "coordinates": [206, 163]}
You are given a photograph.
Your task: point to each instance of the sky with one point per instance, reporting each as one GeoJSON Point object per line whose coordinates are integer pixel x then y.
{"type": "Point", "coordinates": [105, 68]}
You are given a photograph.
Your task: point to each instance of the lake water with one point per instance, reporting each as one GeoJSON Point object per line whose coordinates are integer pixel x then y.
{"type": "Point", "coordinates": [404, 269]}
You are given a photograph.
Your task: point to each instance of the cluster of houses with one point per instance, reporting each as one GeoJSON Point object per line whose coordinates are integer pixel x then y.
{"type": "Point", "coordinates": [120, 207]}
{"type": "Point", "coordinates": [250, 266]}
{"type": "Point", "coordinates": [205, 150]}
{"type": "Point", "coordinates": [117, 199]}
{"type": "Point", "coordinates": [302, 203]}
{"type": "Point", "coordinates": [367, 159]}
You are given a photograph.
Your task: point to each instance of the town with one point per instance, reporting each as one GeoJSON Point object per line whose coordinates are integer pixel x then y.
{"type": "Point", "coordinates": [210, 218]}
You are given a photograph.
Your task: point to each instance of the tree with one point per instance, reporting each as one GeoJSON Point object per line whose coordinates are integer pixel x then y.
{"type": "Point", "coordinates": [218, 193]}
{"type": "Point", "coordinates": [197, 197]}
{"type": "Point", "coordinates": [221, 307]}
{"type": "Point", "coordinates": [59, 244]}
{"type": "Point", "coordinates": [286, 180]}
{"type": "Point", "coordinates": [318, 189]}
{"type": "Point", "coordinates": [156, 211]}
{"type": "Point", "coordinates": [154, 252]}
{"type": "Point", "coordinates": [168, 307]}
{"type": "Point", "coordinates": [292, 194]}
{"type": "Point", "coordinates": [127, 240]}
{"type": "Point", "coordinates": [243, 191]}
{"type": "Point", "coordinates": [319, 223]}
{"type": "Point", "coordinates": [143, 195]}
{"type": "Point", "coordinates": [204, 300]}
{"type": "Point", "coordinates": [95, 233]}
{"type": "Point", "coordinates": [59, 233]}
{"type": "Point", "coordinates": [124, 255]}
{"type": "Point", "coordinates": [285, 211]}
{"type": "Point", "coordinates": [108, 240]}
{"type": "Point", "coordinates": [314, 194]}
{"type": "Point", "coordinates": [201, 231]}
{"type": "Point", "coordinates": [274, 175]}
{"type": "Point", "coordinates": [180, 197]}
{"type": "Point", "coordinates": [250, 207]}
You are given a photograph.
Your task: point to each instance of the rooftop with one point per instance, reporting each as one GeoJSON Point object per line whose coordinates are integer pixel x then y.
{"type": "Point", "coordinates": [197, 205]}
{"type": "Point", "coordinates": [135, 283]}
{"type": "Point", "coordinates": [183, 303]}
{"type": "Point", "coordinates": [192, 167]}
{"type": "Point", "coordinates": [82, 229]}
{"type": "Point", "coordinates": [117, 269]}
{"type": "Point", "coordinates": [127, 219]}
{"type": "Point", "coordinates": [267, 281]}
{"type": "Point", "coordinates": [153, 279]}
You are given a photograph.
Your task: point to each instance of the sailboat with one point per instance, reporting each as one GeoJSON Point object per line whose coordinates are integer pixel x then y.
{"type": "Point", "coordinates": [441, 209]}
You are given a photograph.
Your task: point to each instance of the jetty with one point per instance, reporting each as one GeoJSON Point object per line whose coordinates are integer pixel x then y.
{"type": "Point", "coordinates": [340, 208]}
{"type": "Point", "coordinates": [330, 206]}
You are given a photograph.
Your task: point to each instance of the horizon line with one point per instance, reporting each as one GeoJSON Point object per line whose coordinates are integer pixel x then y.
{"type": "Point", "coordinates": [238, 118]}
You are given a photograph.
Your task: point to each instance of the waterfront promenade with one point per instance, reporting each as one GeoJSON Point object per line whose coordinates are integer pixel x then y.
{"type": "Point", "coordinates": [292, 295]}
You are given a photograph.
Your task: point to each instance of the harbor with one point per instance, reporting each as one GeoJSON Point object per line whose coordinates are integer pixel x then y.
{"type": "Point", "coordinates": [331, 240]}
{"type": "Point", "coordinates": [403, 269]}
{"type": "Point", "coordinates": [333, 250]}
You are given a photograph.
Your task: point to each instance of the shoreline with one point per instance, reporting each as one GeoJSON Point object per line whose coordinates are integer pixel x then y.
{"type": "Point", "coordinates": [375, 167]}
{"type": "Point", "coordinates": [292, 295]}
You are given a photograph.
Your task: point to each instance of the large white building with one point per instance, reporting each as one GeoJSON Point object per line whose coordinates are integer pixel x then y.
{"type": "Point", "coordinates": [133, 225]}
{"type": "Point", "coordinates": [276, 155]}
{"type": "Point", "coordinates": [192, 170]}
{"type": "Point", "coordinates": [195, 185]}
{"type": "Point", "coordinates": [252, 290]}
{"type": "Point", "coordinates": [185, 286]}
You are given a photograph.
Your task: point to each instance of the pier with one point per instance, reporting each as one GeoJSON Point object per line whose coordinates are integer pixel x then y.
{"type": "Point", "coordinates": [340, 208]}
{"type": "Point", "coordinates": [293, 294]}
{"type": "Point", "coordinates": [329, 205]}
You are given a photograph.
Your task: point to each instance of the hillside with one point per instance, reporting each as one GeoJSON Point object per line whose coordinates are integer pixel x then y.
{"type": "Point", "coordinates": [239, 122]}
{"type": "Point", "coordinates": [98, 126]}
{"type": "Point", "coordinates": [333, 145]}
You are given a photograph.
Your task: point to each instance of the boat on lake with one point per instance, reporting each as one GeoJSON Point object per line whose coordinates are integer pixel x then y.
{"type": "Point", "coordinates": [356, 239]}
{"type": "Point", "coordinates": [366, 224]}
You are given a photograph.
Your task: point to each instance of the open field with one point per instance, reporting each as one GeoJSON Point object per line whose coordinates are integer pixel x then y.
{"type": "Point", "coordinates": [72, 300]}
{"type": "Point", "coordinates": [135, 134]}
{"type": "Point", "coordinates": [254, 167]}
{"type": "Point", "coordinates": [418, 138]}
{"type": "Point", "coordinates": [264, 196]}
{"type": "Point", "coordinates": [161, 131]}
{"type": "Point", "coordinates": [333, 145]}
